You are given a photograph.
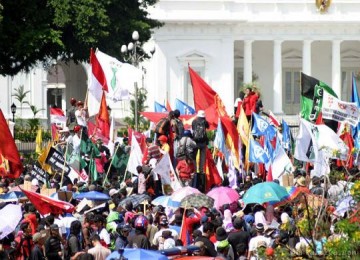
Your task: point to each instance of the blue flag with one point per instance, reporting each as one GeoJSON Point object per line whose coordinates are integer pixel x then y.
{"type": "Point", "coordinates": [269, 149]}
{"type": "Point", "coordinates": [286, 136]}
{"type": "Point", "coordinates": [256, 153]}
{"type": "Point", "coordinates": [159, 107]}
{"type": "Point", "coordinates": [355, 98]}
{"type": "Point", "coordinates": [262, 127]}
{"type": "Point", "coordinates": [184, 108]}
{"type": "Point", "coordinates": [219, 141]}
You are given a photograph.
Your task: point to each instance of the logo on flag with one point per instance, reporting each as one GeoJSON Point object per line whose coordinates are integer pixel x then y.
{"type": "Point", "coordinates": [262, 125]}
{"type": "Point", "coordinates": [258, 152]}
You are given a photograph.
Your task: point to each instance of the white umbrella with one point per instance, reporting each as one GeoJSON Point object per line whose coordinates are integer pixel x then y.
{"type": "Point", "coordinates": [183, 192]}
{"type": "Point", "coordinates": [10, 217]}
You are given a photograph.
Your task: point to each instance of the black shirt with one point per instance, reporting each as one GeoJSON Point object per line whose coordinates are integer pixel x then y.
{"type": "Point", "coordinates": [37, 253]}
{"type": "Point", "coordinates": [209, 246]}
{"type": "Point", "coordinates": [238, 237]}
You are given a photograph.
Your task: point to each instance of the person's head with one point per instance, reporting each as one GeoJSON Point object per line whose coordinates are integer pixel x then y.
{"type": "Point", "coordinates": [124, 229]}
{"type": "Point", "coordinates": [141, 223]}
{"type": "Point", "coordinates": [149, 141]}
{"type": "Point", "coordinates": [201, 113]}
{"type": "Point", "coordinates": [187, 133]}
{"type": "Point", "coordinates": [80, 104]}
{"type": "Point", "coordinates": [163, 139]}
{"type": "Point", "coordinates": [238, 223]}
{"type": "Point", "coordinates": [176, 113]}
{"type": "Point", "coordinates": [73, 101]}
{"type": "Point", "coordinates": [125, 140]}
{"type": "Point", "coordinates": [248, 178]}
{"type": "Point", "coordinates": [259, 228]}
{"type": "Point", "coordinates": [202, 248]}
{"type": "Point", "coordinates": [54, 230]}
{"type": "Point", "coordinates": [208, 229]}
{"type": "Point", "coordinates": [129, 206]}
{"type": "Point", "coordinates": [221, 234]}
{"type": "Point", "coordinates": [163, 221]}
{"type": "Point", "coordinates": [95, 239]}
{"type": "Point", "coordinates": [139, 169]}
{"type": "Point", "coordinates": [39, 238]}
{"type": "Point", "coordinates": [25, 227]}
{"type": "Point", "coordinates": [99, 142]}
{"type": "Point", "coordinates": [75, 227]}
{"type": "Point", "coordinates": [99, 221]}
{"type": "Point", "coordinates": [248, 90]}
{"type": "Point", "coordinates": [171, 115]}
{"type": "Point", "coordinates": [77, 129]}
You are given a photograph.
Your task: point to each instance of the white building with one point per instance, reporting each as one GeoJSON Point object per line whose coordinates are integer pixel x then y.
{"type": "Point", "coordinates": [227, 42]}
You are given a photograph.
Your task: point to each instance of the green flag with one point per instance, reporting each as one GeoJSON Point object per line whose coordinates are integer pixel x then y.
{"type": "Point", "coordinates": [94, 175]}
{"type": "Point", "coordinates": [120, 160]}
{"type": "Point", "coordinates": [311, 97]}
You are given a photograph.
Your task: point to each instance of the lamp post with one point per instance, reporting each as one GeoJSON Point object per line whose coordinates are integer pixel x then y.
{"type": "Point", "coordinates": [13, 111]}
{"type": "Point", "coordinates": [133, 56]}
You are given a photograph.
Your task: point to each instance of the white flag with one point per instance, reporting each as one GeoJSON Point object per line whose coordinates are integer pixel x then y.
{"type": "Point", "coordinates": [168, 176]}
{"type": "Point", "coordinates": [306, 148]}
{"type": "Point", "coordinates": [219, 168]}
{"type": "Point", "coordinates": [136, 156]}
{"type": "Point", "coordinates": [281, 164]}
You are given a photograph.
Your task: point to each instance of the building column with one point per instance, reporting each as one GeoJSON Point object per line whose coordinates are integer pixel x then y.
{"type": "Point", "coordinates": [248, 61]}
{"type": "Point", "coordinates": [306, 57]}
{"type": "Point", "coordinates": [227, 79]}
{"type": "Point", "coordinates": [277, 86]}
{"type": "Point", "coordinates": [336, 67]}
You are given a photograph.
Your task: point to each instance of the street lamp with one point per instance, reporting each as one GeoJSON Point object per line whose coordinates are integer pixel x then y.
{"type": "Point", "coordinates": [131, 50]}
{"type": "Point", "coordinates": [13, 111]}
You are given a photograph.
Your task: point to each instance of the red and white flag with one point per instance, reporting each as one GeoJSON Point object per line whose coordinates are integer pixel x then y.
{"type": "Point", "coordinates": [273, 119]}
{"type": "Point", "coordinates": [57, 116]}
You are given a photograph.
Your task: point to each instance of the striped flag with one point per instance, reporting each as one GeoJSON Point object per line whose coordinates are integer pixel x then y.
{"type": "Point", "coordinates": [57, 116]}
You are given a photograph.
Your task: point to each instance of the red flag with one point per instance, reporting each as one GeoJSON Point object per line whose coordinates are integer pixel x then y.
{"type": "Point", "coordinates": [211, 172]}
{"type": "Point", "coordinates": [269, 176]}
{"type": "Point", "coordinates": [102, 119]}
{"type": "Point", "coordinates": [140, 138]}
{"type": "Point", "coordinates": [10, 164]}
{"type": "Point", "coordinates": [349, 141]}
{"type": "Point", "coordinates": [168, 107]}
{"type": "Point", "coordinates": [57, 116]}
{"type": "Point", "coordinates": [204, 95]}
{"type": "Point", "coordinates": [46, 205]}
{"type": "Point", "coordinates": [54, 132]}
{"type": "Point", "coordinates": [319, 120]}
{"type": "Point", "coordinates": [97, 71]}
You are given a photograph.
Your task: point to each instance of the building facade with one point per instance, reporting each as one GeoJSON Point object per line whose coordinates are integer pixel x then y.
{"type": "Point", "coordinates": [229, 43]}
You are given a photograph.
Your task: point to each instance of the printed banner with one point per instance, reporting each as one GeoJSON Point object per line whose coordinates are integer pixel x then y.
{"type": "Point", "coordinates": [335, 109]}
{"type": "Point", "coordinates": [39, 173]}
{"type": "Point", "coordinates": [56, 160]}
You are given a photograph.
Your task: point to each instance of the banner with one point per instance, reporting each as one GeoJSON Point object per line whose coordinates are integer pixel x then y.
{"type": "Point", "coordinates": [333, 108]}
{"type": "Point", "coordinates": [39, 173]}
{"type": "Point", "coordinates": [56, 160]}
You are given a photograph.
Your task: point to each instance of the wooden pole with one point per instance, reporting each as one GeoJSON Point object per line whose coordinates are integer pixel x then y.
{"type": "Point", "coordinates": [63, 170]}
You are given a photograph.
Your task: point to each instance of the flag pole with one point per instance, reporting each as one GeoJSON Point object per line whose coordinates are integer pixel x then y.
{"type": "Point", "coordinates": [63, 170]}
{"type": "Point", "coordinates": [248, 148]}
{"type": "Point", "coordinates": [107, 173]}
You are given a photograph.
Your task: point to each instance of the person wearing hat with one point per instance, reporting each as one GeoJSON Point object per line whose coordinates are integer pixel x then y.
{"type": "Point", "coordinates": [81, 114]}
{"type": "Point", "coordinates": [53, 248]}
{"type": "Point", "coordinates": [122, 240]}
{"type": "Point", "coordinates": [164, 146]}
{"type": "Point", "coordinates": [37, 251]}
{"type": "Point", "coordinates": [70, 117]}
{"type": "Point", "coordinates": [259, 239]}
{"type": "Point", "coordinates": [300, 182]}
{"type": "Point", "coordinates": [199, 126]}
{"type": "Point", "coordinates": [222, 245]}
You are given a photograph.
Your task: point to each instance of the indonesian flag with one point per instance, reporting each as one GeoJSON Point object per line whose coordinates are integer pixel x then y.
{"type": "Point", "coordinates": [273, 119]}
{"type": "Point", "coordinates": [97, 83]}
{"type": "Point", "coordinates": [57, 116]}
{"type": "Point", "coordinates": [10, 164]}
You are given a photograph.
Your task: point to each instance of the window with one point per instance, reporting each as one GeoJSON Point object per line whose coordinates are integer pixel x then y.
{"type": "Point", "coordinates": [291, 91]}
{"type": "Point", "coordinates": [346, 83]}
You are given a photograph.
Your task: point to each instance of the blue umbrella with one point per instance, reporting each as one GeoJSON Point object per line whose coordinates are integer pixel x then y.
{"type": "Point", "coordinates": [92, 195]}
{"type": "Point", "coordinates": [265, 192]}
{"type": "Point", "coordinates": [165, 201]}
{"type": "Point", "coordinates": [13, 195]}
{"type": "Point", "coordinates": [140, 254]}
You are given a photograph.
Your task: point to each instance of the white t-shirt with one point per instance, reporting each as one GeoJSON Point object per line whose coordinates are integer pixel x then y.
{"type": "Point", "coordinates": [76, 143]}
{"type": "Point", "coordinates": [104, 235]}
{"type": "Point", "coordinates": [158, 235]}
{"type": "Point", "coordinates": [80, 117]}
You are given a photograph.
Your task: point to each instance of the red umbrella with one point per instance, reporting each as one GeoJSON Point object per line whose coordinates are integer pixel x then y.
{"type": "Point", "coordinates": [46, 205]}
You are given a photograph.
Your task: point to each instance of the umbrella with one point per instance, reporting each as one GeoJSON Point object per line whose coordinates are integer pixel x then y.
{"type": "Point", "coordinates": [265, 192]}
{"type": "Point", "coordinates": [92, 195]}
{"type": "Point", "coordinates": [165, 201]}
{"type": "Point", "coordinates": [136, 199]}
{"type": "Point", "coordinates": [183, 192]}
{"type": "Point", "coordinates": [223, 195]}
{"type": "Point", "coordinates": [132, 253]}
{"type": "Point", "coordinates": [293, 193]}
{"type": "Point", "coordinates": [197, 201]}
{"type": "Point", "coordinates": [10, 216]}
{"type": "Point", "coordinates": [12, 195]}
{"type": "Point", "coordinates": [46, 205]}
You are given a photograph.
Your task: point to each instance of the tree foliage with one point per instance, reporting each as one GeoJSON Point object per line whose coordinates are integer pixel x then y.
{"type": "Point", "coordinates": [40, 31]}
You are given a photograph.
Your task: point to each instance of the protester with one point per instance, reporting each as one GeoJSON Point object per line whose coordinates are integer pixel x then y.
{"type": "Point", "coordinates": [37, 251]}
{"type": "Point", "coordinates": [71, 118]}
{"type": "Point", "coordinates": [53, 245]}
{"type": "Point", "coordinates": [98, 251]}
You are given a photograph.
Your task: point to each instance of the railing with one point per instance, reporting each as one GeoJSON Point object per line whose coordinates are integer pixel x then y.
{"type": "Point", "coordinates": [28, 147]}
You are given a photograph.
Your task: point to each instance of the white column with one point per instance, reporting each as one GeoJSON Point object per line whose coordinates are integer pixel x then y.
{"type": "Point", "coordinates": [247, 61]}
{"type": "Point", "coordinates": [336, 67]}
{"type": "Point", "coordinates": [227, 79]}
{"type": "Point", "coordinates": [306, 57]}
{"type": "Point", "coordinates": [277, 86]}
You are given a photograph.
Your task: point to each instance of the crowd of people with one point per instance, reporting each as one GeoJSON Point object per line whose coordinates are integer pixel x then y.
{"type": "Point", "coordinates": [233, 231]}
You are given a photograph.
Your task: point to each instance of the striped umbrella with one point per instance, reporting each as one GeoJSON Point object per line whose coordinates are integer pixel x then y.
{"type": "Point", "coordinates": [197, 201]}
{"type": "Point", "coordinates": [165, 201]}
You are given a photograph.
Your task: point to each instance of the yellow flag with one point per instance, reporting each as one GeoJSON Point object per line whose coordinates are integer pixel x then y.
{"type": "Point", "coordinates": [243, 128]}
{"type": "Point", "coordinates": [42, 158]}
{"type": "Point", "coordinates": [38, 141]}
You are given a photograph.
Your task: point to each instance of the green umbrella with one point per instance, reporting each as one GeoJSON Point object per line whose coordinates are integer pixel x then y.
{"type": "Point", "coordinates": [197, 201]}
{"type": "Point", "coordinates": [265, 192]}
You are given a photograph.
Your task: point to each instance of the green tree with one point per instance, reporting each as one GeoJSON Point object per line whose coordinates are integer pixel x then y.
{"type": "Point", "coordinates": [43, 30]}
{"type": "Point", "coordinates": [143, 123]}
{"type": "Point", "coordinates": [20, 95]}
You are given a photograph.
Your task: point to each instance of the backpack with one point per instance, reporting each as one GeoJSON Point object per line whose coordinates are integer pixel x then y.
{"type": "Point", "coordinates": [179, 128]}
{"type": "Point", "coordinates": [163, 126]}
{"type": "Point", "coordinates": [199, 133]}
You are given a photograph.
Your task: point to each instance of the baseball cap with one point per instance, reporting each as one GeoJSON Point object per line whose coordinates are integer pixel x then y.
{"type": "Point", "coordinates": [112, 192]}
